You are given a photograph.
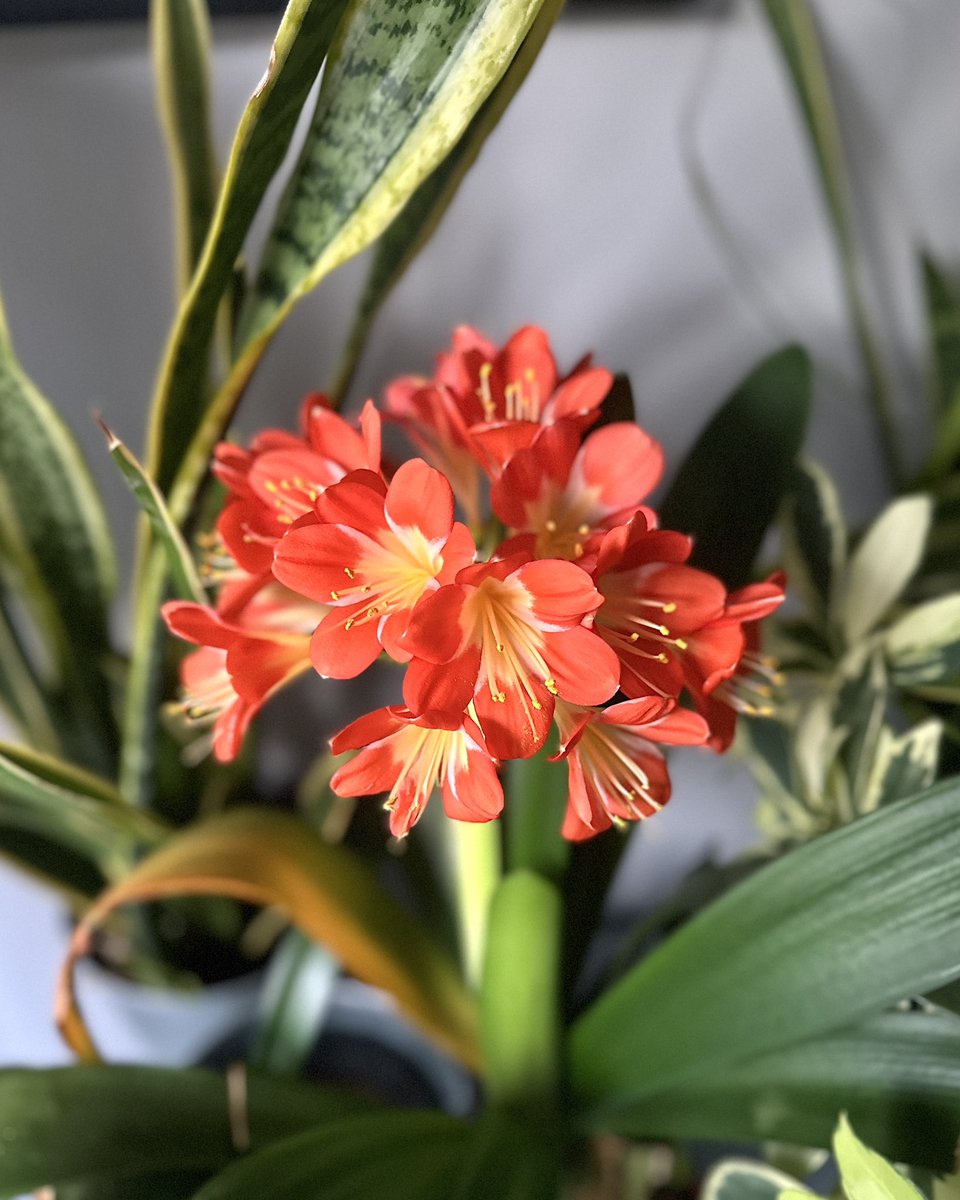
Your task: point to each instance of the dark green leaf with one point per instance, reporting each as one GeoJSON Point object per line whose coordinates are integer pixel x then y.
{"type": "Point", "coordinates": [403, 1155]}
{"type": "Point", "coordinates": [510, 1158]}
{"type": "Point", "coordinates": [943, 321]}
{"type": "Point", "coordinates": [728, 490]}
{"type": "Point", "coordinates": [55, 547]}
{"type": "Point", "coordinates": [828, 934]}
{"type": "Point", "coordinates": [93, 1124]}
{"type": "Point", "coordinates": [898, 1075]}
{"type": "Point", "coordinates": [180, 32]}
{"type": "Point", "coordinates": [21, 695]}
{"type": "Point", "coordinates": [413, 226]}
{"type": "Point", "coordinates": [261, 142]}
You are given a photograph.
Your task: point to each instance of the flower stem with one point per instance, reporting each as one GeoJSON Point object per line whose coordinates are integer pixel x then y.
{"type": "Point", "coordinates": [477, 866]}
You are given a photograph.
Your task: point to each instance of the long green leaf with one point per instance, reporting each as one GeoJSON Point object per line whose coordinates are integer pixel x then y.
{"type": "Point", "coordinates": [793, 25]}
{"type": "Point", "coordinates": [180, 32]}
{"type": "Point", "coordinates": [70, 807]}
{"type": "Point", "coordinates": [403, 1155]}
{"type": "Point", "coordinates": [815, 536]}
{"type": "Point", "coordinates": [269, 858]}
{"type": "Point", "coordinates": [259, 146]}
{"type": "Point", "coordinates": [510, 1156]}
{"type": "Point", "coordinates": [98, 1124]}
{"type": "Point", "coordinates": [183, 571]}
{"type": "Point", "coordinates": [943, 320]}
{"type": "Point", "coordinates": [413, 227]}
{"type": "Point", "coordinates": [897, 1074]}
{"type": "Point", "coordinates": [403, 80]}
{"type": "Point", "coordinates": [829, 934]}
{"type": "Point", "coordinates": [22, 696]}
{"type": "Point", "coordinates": [55, 546]}
{"type": "Point", "coordinates": [731, 483]}
{"type": "Point", "coordinates": [865, 1175]}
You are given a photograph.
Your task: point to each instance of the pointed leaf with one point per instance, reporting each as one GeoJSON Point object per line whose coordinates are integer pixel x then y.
{"type": "Point", "coordinates": [898, 1074]}
{"type": "Point", "coordinates": [943, 322]}
{"type": "Point", "coordinates": [269, 858]}
{"type": "Point", "coordinates": [183, 571]}
{"type": "Point", "coordinates": [815, 537]}
{"type": "Point", "coordinates": [261, 141]}
{"type": "Point", "coordinates": [923, 646]}
{"type": "Point", "coordinates": [904, 765]}
{"type": "Point", "coordinates": [71, 808]}
{"type": "Point", "coordinates": [882, 565]}
{"type": "Point", "coordinates": [180, 32]}
{"type": "Point", "coordinates": [863, 1173]}
{"type": "Point", "coordinates": [728, 489]}
{"type": "Point", "coordinates": [22, 697]}
{"type": "Point", "coordinates": [98, 1124]}
{"type": "Point", "coordinates": [54, 541]}
{"type": "Point", "coordinates": [403, 1155]}
{"type": "Point", "coordinates": [511, 1157]}
{"type": "Point", "coordinates": [838, 928]}
{"type": "Point", "coordinates": [414, 225]}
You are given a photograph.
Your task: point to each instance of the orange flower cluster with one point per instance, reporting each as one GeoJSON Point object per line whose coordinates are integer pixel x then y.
{"type": "Point", "coordinates": [327, 559]}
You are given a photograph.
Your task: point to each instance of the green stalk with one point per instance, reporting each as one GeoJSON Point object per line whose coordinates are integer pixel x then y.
{"type": "Point", "coordinates": [477, 868]}
{"type": "Point", "coordinates": [520, 1025]}
{"type": "Point", "coordinates": [142, 696]}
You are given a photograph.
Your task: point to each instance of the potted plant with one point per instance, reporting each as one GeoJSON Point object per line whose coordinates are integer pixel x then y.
{"type": "Point", "coordinates": [549, 633]}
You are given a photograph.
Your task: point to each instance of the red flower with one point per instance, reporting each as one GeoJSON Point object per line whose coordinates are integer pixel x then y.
{"type": "Point", "coordinates": [510, 636]}
{"type": "Point", "coordinates": [373, 552]}
{"type": "Point", "coordinates": [278, 479]}
{"type": "Point", "coordinates": [484, 404]}
{"type": "Point", "coordinates": [403, 755]}
{"type": "Point", "coordinates": [615, 771]}
{"type": "Point", "coordinates": [240, 666]}
{"type": "Point", "coordinates": [558, 493]}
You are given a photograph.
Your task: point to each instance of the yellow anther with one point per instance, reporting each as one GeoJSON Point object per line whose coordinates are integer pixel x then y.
{"type": "Point", "coordinates": [270, 486]}
{"type": "Point", "coordinates": [551, 686]}
{"type": "Point", "coordinates": [550, 526]}
{"type": "Point", "coordinates": [536, 704]}
{"type": "Point", "coordinates": [583, 529]}
{"type": "Point", "coordinates": [664, 630]}
{"type": "Point", "coordinates": [348, 623]}
{"type": "Point", "coordinates": [634, 637]}
{"type": "Point", "coordinates": [680, 644]}
{"type": "Point", "coordinates": [348, 572]}
{"type": "Point", "coordinates": [500, 647]}
{"type": "Point", "coordinates": [334, 595]}
{"type": "Point", "coordinates": [312, 494]}
{"type": "Point", "coordinates": [669, 608]}
{"type": "Point", "coordinates": [284, 519]}
{"type": "Point", "coordinates": [664, 658]}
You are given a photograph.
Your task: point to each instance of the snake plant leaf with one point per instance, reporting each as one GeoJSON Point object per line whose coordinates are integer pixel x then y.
{"type": "Point", "coordinates": [269, 858]}
{"type": "Point", "coordinates": [180, 34]}
{"type": "Point", "coordinates": [864, 1174]}
{"type": "Point", "coordinates": [741, 1179]}
{"type": "Point", "coordinates": [815, 538]}
{"type": "Point", "coordinates": [414, 225]}
{"type": "Point", "coordinates": [55, 547]}
{"type": "Point", "coordinates": [838, 929]}
{"type": "Point", "coordinates": [71, 807]}
{"type": "Point", "coordinates": [94, 1125]}
{"type": "Point", "coordinates": [405, 1155]}
{"type": "Point", "coordinates": [898, 1074]}
{"type": "Point", "coordinates": [401, 85]}
{"type": "Point", "coordinates": [923, 646]}
{"type": "Point", "coordinates": [183, 571]}
{"type": "Point", "coordinates": [943, 320]}
{"type": "Point", "coordinates": [261, 141]}
{"type": "Point", "coordinates": [23, 698]}
{"type": "Point", "coordinates": [510, 1156]}
{"type": "Point", "coordinates": [730, 486]}
{"type": "Point", "coordinates": [881, 566]}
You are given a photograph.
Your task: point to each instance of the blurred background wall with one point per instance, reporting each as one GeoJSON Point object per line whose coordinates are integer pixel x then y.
{"type": "Point", "coordinates": [592, 211]}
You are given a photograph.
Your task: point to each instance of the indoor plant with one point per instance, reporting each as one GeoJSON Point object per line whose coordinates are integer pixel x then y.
{"type": "Point", "coordinates": [753, 999]}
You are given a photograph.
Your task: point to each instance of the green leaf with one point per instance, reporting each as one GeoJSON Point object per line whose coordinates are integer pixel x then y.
{"type": "Point", "coordinates": [70, 808]}
{"type": "Point", "coordinates": [97, 1124]}
{"type": "Point", "coordinates": [403, 1155]}
{"type": "Point", "coordinates": [55, 546]}
{"type": "Point", "coordinates": [180, 33]}
{"type": "Point", "coordinates": [510, 1157]}
{"type": "Point", "coordinates": [519, 1005]}
{"type": "Point", "coordinates": [881, 566]}
{"type": "Point", "coordinates": [815, 538]}
{"type": "Point", "coordinates": [296, 997]}
{"type": "Point", "coordinates": [795, 30]}
{"type": "Point", "coordinates": [414, 225]}
{"type": "Point", "coordinates": [898, 1074]}
{"type": "Point", "coordinates": [838, 928]}
{"type": "Point", "coordinates": [269, 858]}
{"type": "Point", "coordinates": [943, 322]}
{"type": "Point", "coordinates": [728, 489]}
{"type": "Point", "coordinates": [923, 646]}
{"type": "Point", "coordinates": [183, 571]}
{"type": "Point", "coordinates": [259, 147]}
{"type": "Point", "coordinates": [904, 765]}
{"type": "Point", "coordinates": [22, 697]}
{"type": "Point", "coordinates": [863, 1173]}
{"type": "Point", "coordinates": [741, 1179]}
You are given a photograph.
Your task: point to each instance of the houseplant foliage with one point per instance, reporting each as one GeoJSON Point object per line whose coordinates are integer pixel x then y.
{"type": "Point", "coordinates": [549, 631]}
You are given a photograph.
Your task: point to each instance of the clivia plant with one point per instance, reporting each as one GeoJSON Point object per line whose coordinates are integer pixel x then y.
{"type": "Point", "coordinates": [537, 631]}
